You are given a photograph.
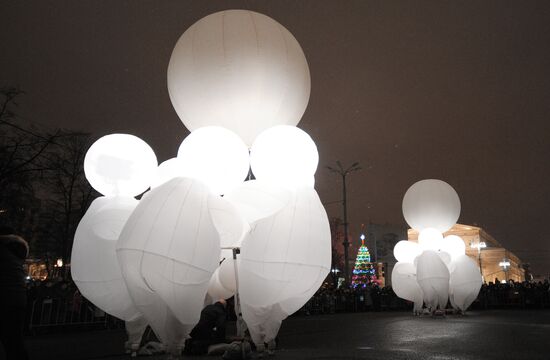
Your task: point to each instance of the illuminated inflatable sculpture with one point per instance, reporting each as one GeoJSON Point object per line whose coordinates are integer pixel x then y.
{"type": "Point", "coordinates": [435, 269]}
{"type": "Point", "coordinates": [240, 82]}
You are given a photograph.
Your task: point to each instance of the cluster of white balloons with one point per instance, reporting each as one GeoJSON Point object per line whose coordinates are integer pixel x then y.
{"type": "Point", "coordinates": [436, 269]}
{"type": "Point", "coordinates": [240, 82]}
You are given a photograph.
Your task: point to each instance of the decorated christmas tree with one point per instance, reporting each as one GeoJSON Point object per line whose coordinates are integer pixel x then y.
{"type": "Point", "coordinates": [363, 272]}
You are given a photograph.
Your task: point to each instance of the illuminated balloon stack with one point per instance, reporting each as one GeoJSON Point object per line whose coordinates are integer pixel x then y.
{"type": "Point", "coordinates": [435, 269]}
{"type": "Point", "coordinates": [240, 82]}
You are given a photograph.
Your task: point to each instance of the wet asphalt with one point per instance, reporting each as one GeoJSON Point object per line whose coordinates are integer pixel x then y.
{"type": "Point", "coordinates": [494, 334]}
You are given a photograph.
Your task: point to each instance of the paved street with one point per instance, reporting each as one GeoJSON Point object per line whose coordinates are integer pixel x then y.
{"type": "Point", "coordinates": [497, 334]}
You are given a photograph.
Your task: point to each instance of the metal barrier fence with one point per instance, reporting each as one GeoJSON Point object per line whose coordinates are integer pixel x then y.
{"type": "Point", "coordinates": [55, 313]}
{"type": "Point", "coordinates": [511, 298]}
{"type": "Point", "coordinates": [44, 314]}
{"type": "Point", "coordinates": [339, 303]}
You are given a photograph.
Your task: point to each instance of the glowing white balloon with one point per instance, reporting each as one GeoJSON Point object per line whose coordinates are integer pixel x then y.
{"type": "Point", "coordinates": [174, 244]}
{"type": "Point", "coordinates": [286, 254]}
{"type": "Point", "coordinates": [215, 156]}
{"type": "Point", "coordinates": [406, 251]}
{"type": "Point", "coordinates": [216, 290]}
{"type": "Point", "coordinates": [284, 260]}
{"type": "Point", "coordinates": [404, 284]}
{"type": "Point", "coordinates": [120, 164]}
{"type": "Point", "coordinates": [166, 171]}
{"type": "Point", "coordinates": [454, 245]}
{"type": "Point", "coordinates": [465, 282]}
{"type": "Point", "coordinates": [431, 203]}
{"type": "Point", "coordinates": [264, 322]}
{"type": "Point", "coordinates": [430, 239]}
{"type": "Point", "coordinates": [240, 70]}
{"type": "Point", "coordinates": [255, 200]}
{"type": "Point", "coordinates": [226, 275]}
{"type": "Point", "coordinates": [284, 155]}
{"type": "Point", "coordinates": [433, 277]}
{"type": "Point", "coordinates": [94, 264]}
{"type": "Point", "coordinates": [155, 311]}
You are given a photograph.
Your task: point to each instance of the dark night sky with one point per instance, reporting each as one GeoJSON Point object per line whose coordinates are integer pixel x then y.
{"type": "Point", "coordinates": [454, 90]}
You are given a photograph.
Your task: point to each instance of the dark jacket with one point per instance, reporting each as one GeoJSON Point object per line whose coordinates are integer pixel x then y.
{"type": "Point", "coordinates": [212, 316]}
{"type": "Point", "coordinates": [13, 252]}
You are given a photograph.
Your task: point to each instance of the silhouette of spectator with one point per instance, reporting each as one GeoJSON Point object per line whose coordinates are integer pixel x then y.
{"type": "Point", "coordinates": [209, 331]}
{"type": "Point", "coordinates": [13, 301]}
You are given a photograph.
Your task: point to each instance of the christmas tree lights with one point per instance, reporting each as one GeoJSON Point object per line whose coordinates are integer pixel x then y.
{"type": "Point", "coordinates": [363, 272]}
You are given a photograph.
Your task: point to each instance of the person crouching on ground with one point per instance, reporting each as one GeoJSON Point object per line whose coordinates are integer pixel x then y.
{"type": "Point", "coordinates": [210, 329]}
{"type": "Point", "coordinates": [13, 301]}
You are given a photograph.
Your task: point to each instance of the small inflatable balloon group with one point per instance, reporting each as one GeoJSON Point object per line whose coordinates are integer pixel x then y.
{"type": "Point", "coordinates": [240, 82]}
{"type": "Point", "coordinates": [436, 269]}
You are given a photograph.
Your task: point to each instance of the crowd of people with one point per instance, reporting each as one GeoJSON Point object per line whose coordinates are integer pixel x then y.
{"type": "Point", "coordinates": [329, 300]}
{"type": "Point", "coordinates": [493, 295]}
{"type": "Point", "coordinates": [345, 299]}
{"type": "Point", "coordinates": [51, 288]}
{"type": "Point", "coordinates": [533, 295]}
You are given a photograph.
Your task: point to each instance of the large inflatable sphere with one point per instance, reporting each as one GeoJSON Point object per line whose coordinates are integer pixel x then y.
{"type": "Point", "coordinates": [240, 70]}
{"type": "Point", "coordinates": [431, 203]}
{"type": "Point", "coordinates": [120, 165]}
{"type": "Point", "coordinates": [94, 265]}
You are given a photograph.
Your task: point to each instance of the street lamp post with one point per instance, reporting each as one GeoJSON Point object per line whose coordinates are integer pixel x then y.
{"type": "Point", "coordinates": [505, 265]}
{"type": "Point", "coordinates": [480, 245]}
{"type": "Point", "coordinates": [343, 173]}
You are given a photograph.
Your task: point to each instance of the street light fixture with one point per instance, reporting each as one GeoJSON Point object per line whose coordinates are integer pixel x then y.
{"type": "Point", "coordinates": [505, 265]}
{"type": "Point", "coordinates": [343, 173]}
{"type": "Point", "coordinates": [479, 245]}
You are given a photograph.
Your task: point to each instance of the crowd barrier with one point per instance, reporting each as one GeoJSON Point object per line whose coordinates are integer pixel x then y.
{"type": "Point", "coordinates": [44, 315]}
{"type": "Point", "coordinates": [490, 297]}
{"type": "Point", "coordinates": [518, 297]}
{"type": "Point", "coordinates": [47, 314]}
{"type": "Point", "coordinates": [331, 303]}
